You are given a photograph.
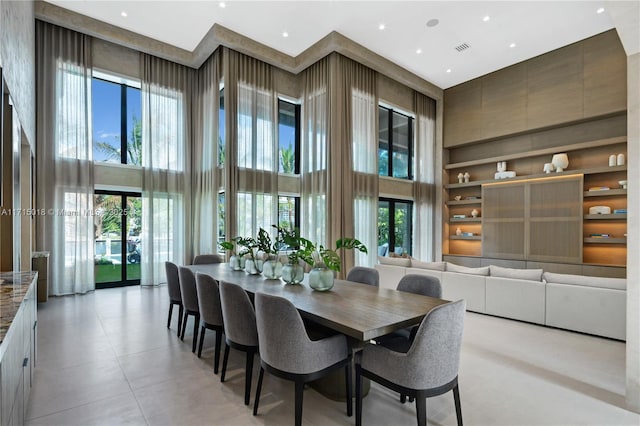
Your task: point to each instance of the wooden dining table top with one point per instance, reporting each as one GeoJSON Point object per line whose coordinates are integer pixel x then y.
{"type": "Point", "coordinates": [360, 311]}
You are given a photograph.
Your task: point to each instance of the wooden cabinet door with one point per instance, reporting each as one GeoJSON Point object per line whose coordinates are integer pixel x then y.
{"type": "Point", "coordinates": [555, 219]}
{"type": "Point", "coordinates": [503, 222]}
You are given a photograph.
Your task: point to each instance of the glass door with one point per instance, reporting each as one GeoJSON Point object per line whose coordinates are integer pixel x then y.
{"type": "Point", "coordinates": [117, 224]}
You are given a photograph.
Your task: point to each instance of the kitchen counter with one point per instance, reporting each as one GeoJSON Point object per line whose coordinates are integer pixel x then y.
{"type": "Point", "coordinates": [13, 288]}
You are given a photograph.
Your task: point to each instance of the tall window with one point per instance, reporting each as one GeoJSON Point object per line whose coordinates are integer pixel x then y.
{"type": "Point", "coordinates": [395, 146]}
{"type": "Point", "coordinates": [394, 226]}
{"type": "Point", "coordinates": [288, 212]}
{"type": "Point", "coordinates": [288, 137]}
{"type": "Point", "coordinates": [221, 130]}
{"type": "Point", "coordinates": [116, 114]}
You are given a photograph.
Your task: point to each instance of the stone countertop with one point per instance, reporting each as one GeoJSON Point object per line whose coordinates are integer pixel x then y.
{"type": "Point", "coordinates": [13, 288]}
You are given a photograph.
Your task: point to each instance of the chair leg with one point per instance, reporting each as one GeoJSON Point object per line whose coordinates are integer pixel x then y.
{"type": "Point", "coordinates": [247, 378]}
{"type": "Point", "coordinates": [170, 313]}
{"type": "Point", "coordinates": [184, 325]}
{"type": "Point", "coordinates": [216, 360]}
{"type": "Point", "coordinates": [258, 390]}
{"type": "Point", "coordinates": [299, 396]}
{"type": "Point", "coordinates": [421, 410]}
{"type": "Point", "coordinates": [224, 362]}
{"type": "Point", "coordinates": [202, 328]}
{"type": "Point", "coordinates": [456, 399]}
{"type": "Point", "coordinates": [180, 314]}
{"type": "Point", "coordinates": [403, 398]}
{"type": "Point", "coordinates": [358, 394]}
{"type": "Point", "coordinates": [196, 322]}
{"type": "Point", "coordinates": [347, 372]}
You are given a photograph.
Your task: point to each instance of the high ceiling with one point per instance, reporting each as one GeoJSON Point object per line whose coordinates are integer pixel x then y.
{"type": "Point", "coordinates": [514, 31]}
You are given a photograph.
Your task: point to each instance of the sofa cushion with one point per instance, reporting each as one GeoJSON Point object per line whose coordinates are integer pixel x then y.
{"type": "Point", "coordinates": [612, 283]}
{"type": "Point", "coordinates": [436, 266]}
{"type": "Point", "coordinates": [395, 261]}
{"type": "Point", "coordinates": [518, 274]}
{"type": "Point", "coordinates": [452, 267]}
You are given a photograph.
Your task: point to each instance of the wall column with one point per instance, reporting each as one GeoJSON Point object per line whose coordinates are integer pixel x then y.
{"type": "Point", "coordinates": [633, 230]}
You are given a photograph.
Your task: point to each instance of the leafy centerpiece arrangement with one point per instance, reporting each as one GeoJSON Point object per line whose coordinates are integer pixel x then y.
{"type": "Point", "coordinates": [260, 255]}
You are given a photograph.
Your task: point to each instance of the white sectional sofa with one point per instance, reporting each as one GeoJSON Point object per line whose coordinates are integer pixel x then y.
{"type": "Point", "coordinates": [592, 305]}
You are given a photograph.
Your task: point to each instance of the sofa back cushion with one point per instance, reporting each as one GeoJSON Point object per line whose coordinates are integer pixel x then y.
{"type": "Point", "coordinates": [452, 267]}
{"type": "Point", "coordinates": [601, 282]}
{"type": "Point", "coordinates": [395, 261]}
{"type": "Point", "coordinates": [436, 266]}
{"type": "Point", "coordinates": [518, 274]}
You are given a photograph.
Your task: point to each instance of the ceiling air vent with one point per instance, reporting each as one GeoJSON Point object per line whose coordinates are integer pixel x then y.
{"type": "Point", "coordinates": [463, 46]}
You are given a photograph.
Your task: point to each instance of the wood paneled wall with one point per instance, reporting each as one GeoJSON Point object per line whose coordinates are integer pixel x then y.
{"type": "Point", "coordinates": [575, 83]}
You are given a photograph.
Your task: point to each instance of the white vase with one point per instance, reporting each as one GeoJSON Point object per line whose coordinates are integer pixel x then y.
{"type": "Point", "coordinates": [321, 278]}
{"type": "Point", "coordinates": [236, 263]}
{"type": "Point", "coordinates": [292, 273]}
{"type": "Point", "coordinates": [272, 269]}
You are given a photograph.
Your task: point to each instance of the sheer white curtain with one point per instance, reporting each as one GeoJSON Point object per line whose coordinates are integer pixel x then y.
{"type": "Point", "coordinates": [364, 115]}
{"type": "Point", "coordinates": [424, 185]}
{"type": "Point", "coordinates": [205, 157]}
{"type": "Point", "coordinates": [64, 162]}
{"type": "Point", "coordinates": [165, 153]}
{"type": "Point", "coordinates": [313, 157]}
{"type": "Point", "coordinates": [251, 107]}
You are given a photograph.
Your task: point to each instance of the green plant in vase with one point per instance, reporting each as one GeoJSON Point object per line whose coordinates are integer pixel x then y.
{"type": "Point", "coordinates": [298, 249]}
{"type": "Point", "coordinates": [236, 260]}
{"type": "Point", "coordinates": [327, 261]}
{"type": "Point", "coordinates": [253, 263]}
{"type": "Point", "coordinates": [272, 268]}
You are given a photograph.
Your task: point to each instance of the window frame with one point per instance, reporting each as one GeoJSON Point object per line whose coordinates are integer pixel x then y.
{"type": "Point", "coordinates": [410, 149]}
{"type": "Point", "coordinates": [124, 84]}
{"type": "Point", "coordinates": [297, 134]}
{"type": "Point", "coordinates": [392, 233]}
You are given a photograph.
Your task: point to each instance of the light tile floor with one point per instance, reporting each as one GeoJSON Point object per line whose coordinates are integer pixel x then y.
{"type": "Point", "coordinates": [108, 358]}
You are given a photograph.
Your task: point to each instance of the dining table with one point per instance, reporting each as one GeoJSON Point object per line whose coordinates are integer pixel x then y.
{"type": "Point", "coordinates": [359, 311]}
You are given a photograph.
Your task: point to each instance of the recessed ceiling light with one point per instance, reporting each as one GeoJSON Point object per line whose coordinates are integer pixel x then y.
{"type": "Point", "coordinates": [222, 4]}
{"type": "Point", "coordinates": [486, 18]}
{"type": "Point", "coordinates": [432, 23]}
{"type": "Point", "coordinates": [449, 70]}
{"type": "Point", "coordinates": [381, 27]}
{"type": "Point", "coordinates": [285, 34]}
{"type": "Point", "coordinates": [123, 14]}
{"type": "Point", "coordinates": [419, 51]}
{"type": "Point", "coordinates": [600, 10]}
{"type": "Point", "coordinates": [512, 45]}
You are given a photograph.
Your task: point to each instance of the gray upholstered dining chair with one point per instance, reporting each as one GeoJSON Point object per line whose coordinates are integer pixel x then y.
{"type": "Point", "coordinates": [206, 259]}
{"type": "Point", "coordinates": [364, 275]}
{"type": "Point", "coordinates": [175, 297]}
{"type": "Point", "coordinates": [240, 331]}
{"type": "Point", "coordinates": [286, 351]}
{"type": "Point", "coordinates": [425, 285]}
{"type": "Point", "coordinates": [210, 313]}
{"type": "Point", "coordinates": [190, 301]}
{"type": "Point", "coordinates": [426, 367]}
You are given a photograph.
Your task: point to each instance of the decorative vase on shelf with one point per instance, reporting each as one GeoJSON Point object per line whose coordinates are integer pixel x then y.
{"type": "Point", "coordinates": [292, 273]}
{"type": "Point", "coordinates": [474, 213]}
{"type": "Point", "coordinates": [466, 177]}
{"type": "Point", "coordinates": [548, 168]}
{"type": "Point", "coordinates": [321, 278]}
{"type": "Point", "coordinates": [620, 160]}
{"type": "Point", "coordinates": [272, 269]}
{"type": "Point", "coordinates": [460, 177]}
{"type": "Point", "coordinates": [560, 161]}
{"type": "Point", "coordinates": [236, 262]}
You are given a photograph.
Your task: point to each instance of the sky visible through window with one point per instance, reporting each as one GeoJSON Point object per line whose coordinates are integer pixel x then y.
{"type": "Point", "coordinates": [106, 116]}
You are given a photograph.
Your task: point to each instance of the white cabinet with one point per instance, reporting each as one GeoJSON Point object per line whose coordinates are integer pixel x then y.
{"type": "Point", "coordinates": [17, 355]}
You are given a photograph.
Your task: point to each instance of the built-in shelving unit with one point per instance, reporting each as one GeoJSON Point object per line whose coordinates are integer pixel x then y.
{"type": "Point", "coordinates": [586, 159]}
